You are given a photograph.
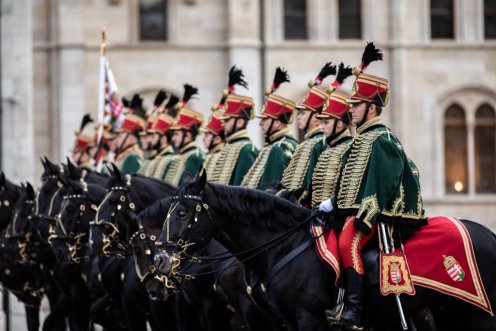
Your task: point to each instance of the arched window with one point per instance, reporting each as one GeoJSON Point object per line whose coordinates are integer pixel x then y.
{"type": "Point", "coordinates": [350, 19]}
{"type": "Point", "coordinates": [442, 19]}
{"type": "Point", "coordinates": [485, 149]}
{"type": "Point", "coordinates": [455, 150]}
{"type": "Point", "coordinates": [295, 19]}
{"type": "Point", "coordinates": [152, 19]}
{"type": "Point", "coordinates": [490, 19]}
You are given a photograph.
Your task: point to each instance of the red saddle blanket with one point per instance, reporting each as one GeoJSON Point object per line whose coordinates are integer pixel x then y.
{"type": "Point", "coordinates": [440, 256]}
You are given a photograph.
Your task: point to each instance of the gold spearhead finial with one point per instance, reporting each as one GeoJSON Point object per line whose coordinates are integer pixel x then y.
{"type": "Point", "coordinates": [104, 40]}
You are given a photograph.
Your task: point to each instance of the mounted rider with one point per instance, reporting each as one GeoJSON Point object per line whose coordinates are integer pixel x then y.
{"type": "Point", "coordinates": [213, 140]}
{"type": "Point", "coordinates": [273, 159]}
{"type": "Point", "coordinates": [128, 154]}
{"type": "Point", "coordinates": [335, 123]}
{"type": "Point", "coordinates": [184, 131]}
{"type": "Point", "coordinates": [84, 141]}
{"type": "Point", "coordinates": [239, 152]}
{"type": "Point", "coordinates": [149, 138]}
{"type": "Point", "coordinates": [377, 185]}
{"type": "Point", "coordinates": [166, 155]}
{"type": "Point", "coordinates": [299, 172]}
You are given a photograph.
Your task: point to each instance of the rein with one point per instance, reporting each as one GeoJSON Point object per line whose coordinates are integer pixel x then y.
{"type": "Point", "coordinates": [252, 252]}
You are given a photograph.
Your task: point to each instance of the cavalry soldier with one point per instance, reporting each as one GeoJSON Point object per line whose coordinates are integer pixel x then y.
{"type": "Point", "coordinates": [128, 153]}
{"type": "Point", "coordinates": [239, 153]}
{"type": "Point", "coordinates": [213, 140]}
{"type": "Point", "coordinates": [166, 118]}
{"type": "Point", "coordinates": [335, 123]}
{"type": "Point", "coordinates": [377, 185]}
{"type": "Point", "coordinates": [149, 139]}
{"type": "Point", "coordinates": [84, 141]}
{"type": "Point", "coordinates": [276, 114]}
{"type": "Point", "coordinates": [184, 131]}
{"type": "Point", "coordinates": [300, 169]}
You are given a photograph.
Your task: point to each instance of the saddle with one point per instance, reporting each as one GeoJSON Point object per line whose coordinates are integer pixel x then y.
{"type": "Point", "coordinates": [440, 256]}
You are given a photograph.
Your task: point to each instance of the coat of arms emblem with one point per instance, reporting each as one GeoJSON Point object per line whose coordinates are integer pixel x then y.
{"type": "Point", "coordinates": [453, 268]}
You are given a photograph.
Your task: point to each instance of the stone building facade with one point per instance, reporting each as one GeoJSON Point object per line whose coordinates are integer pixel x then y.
{"type": "Point", "coordinates": [441, 75]}
{"type": "Point", "coordinates": [50, 52]}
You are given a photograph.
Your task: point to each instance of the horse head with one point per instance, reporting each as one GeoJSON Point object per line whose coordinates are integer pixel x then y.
{"type": "Point", "coordinates": [49, 198]}
{"type": "Point", "coordinates": [19, 232]}
{"type": "Point", "coordinates": [144, 249]}
{"type": "Point", "coordinates": [9, 194]}
{"type": "Point", "coordinates": [79, 206]}
{"type": "Point", "coordinates": [111, 228]}
{"type": "Point", "coordinates": [187, 227]}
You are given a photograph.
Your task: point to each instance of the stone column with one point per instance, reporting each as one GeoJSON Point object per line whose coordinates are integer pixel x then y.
{"type": "Point", "coordinates": [244, 50]}
{"type": "Point", "coordinates": [67, 73]}
{"type": "Point", "coordinates": [17, 91]}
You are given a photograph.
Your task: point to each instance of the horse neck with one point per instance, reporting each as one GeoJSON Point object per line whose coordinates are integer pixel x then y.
{"type": "Point", "coordinates": [238, 236]}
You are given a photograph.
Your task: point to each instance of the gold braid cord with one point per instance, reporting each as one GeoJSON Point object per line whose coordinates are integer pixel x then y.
{"type": "Point", "coordinates": [162, 164]}
{"type": "Point", "coordinates": [355, 168]}
{"type": "Point", "coordinates": [295, 173]}
{"type": "Point", "coordinates": [176, 170]}
{"type": "Point", "coordinates": [227, 162]}
{"type": "Point", "coordinates": [211, 163]}
{"type": "Point", "coordinates": [252, 178]}
{"type": "Point", "coordinates": [145, 165]}
{"type": "Point", "coordinates": [326, 173]}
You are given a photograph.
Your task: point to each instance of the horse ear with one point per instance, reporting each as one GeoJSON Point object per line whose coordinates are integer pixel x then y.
{"type": "Point", "coordinates": [30, 191]}
{"type": "Point", "coordinates": [2, 179]}
{"type": "Point", "coordinates": [72, 169]}
{"type": "Point", "coordinates": [203, 179]}
{"type": "Point", "coordinates": [117, 172]}
{"type": "Point", "coordinates": [43, 162]}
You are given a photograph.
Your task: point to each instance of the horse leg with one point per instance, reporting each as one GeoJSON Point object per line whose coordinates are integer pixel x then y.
{"type": "Point", "coordinates": [58, 310]}
{"type": "Point", "coordinates": [32, 317]}
{"type": "Point", "coordinates": [80, 302]}
{"type": "Point", "coordinates": [135, 316]}
{"type": "Point", "coordinates": [163, 315]}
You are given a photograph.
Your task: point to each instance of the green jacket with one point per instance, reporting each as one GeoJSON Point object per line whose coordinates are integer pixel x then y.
{"type": "Point", "coordinates": [189, 161]}
{"type": "Point", "coordinates": [129, 161]}
{"type": "Point", "coordinates": [271, 161]}
{"type": "Point", "coordinates": [235, 159]}
{"type": "Point", "coordinates": [326, 174]}
{"type": "Point", "coordinates": [299, 172]}
{"type": "Point", "coordinates": [378, 181]}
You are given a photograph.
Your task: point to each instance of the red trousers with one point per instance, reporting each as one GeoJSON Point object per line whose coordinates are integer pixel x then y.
{"type": "Point", "coordinates": [350, 243]}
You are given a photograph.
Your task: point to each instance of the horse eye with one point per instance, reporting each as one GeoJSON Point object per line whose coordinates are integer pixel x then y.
{"type": "Point", "coordinates": [113, 201]}
{"type": "Point", "coordinates": [182, 214]}
{"type": "Point", "coordinates": [71, 209]}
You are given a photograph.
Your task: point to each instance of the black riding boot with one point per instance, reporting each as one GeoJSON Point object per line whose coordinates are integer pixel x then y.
{"type": "Point", "coordinates": [350, 317]}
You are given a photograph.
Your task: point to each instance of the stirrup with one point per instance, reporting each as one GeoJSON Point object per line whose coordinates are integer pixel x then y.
{"type": "Point", "coordinates": [351, 327]}
{"type": "Point", "coordinates": [338, 310]}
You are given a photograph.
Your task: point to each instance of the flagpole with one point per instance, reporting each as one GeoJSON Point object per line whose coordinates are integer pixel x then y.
{"type": "Point", "coordinates": [101, 86]}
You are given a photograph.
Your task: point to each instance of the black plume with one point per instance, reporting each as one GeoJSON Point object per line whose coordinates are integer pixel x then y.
{"type": "Point", "coordinates": [171, 110]}
{"type": "Point", "coordinates": [327, 70]}
{"type": "Point", "coordinates": [86, 119]}
{"type": "Point", "coordinates": [160, 98]}
{"type": "Point", "coordinates": [370, 54]}
{"type": "Point", "coordinates": [343, 73]}
{"type": "Point", "coordinates": [280, 77]}
{"type": "Point", "coordinates": [236, 77]}
{"type": "Point", "coordinates": [189, 91]}
{"type": "Point", "coordinates": [136, 102]}
{"type": "Point", "coordinates": [125, 102]}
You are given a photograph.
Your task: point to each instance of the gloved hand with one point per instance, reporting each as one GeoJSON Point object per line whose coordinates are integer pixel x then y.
{"type": "Point", "coordinates": [326, 206]}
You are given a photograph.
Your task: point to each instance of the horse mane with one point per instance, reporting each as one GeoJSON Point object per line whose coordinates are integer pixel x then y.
{"type": "Point", "coordinates": [256, 207]}
{"type": "Point", "coordinates": [148, 189]}
{"type": "Point", "coordinates": [156, 213]}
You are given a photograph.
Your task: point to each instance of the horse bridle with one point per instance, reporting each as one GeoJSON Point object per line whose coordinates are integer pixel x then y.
{"type": "Point", "coordinates": [179, 248]}
{"type": "Point", "coordinates": [123, 248]}
{"type": "Point", "coordinates": [22, 239]}
{"type": "Point", "coordinates": [48, 216]}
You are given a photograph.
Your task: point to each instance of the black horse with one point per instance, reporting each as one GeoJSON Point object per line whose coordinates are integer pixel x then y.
{"type": "Point", "coordinates": [115, 222]}
{"type": "Point", "coordinates": [22, 279]}
{"type": "Point", "coordinates": [300, 290]}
